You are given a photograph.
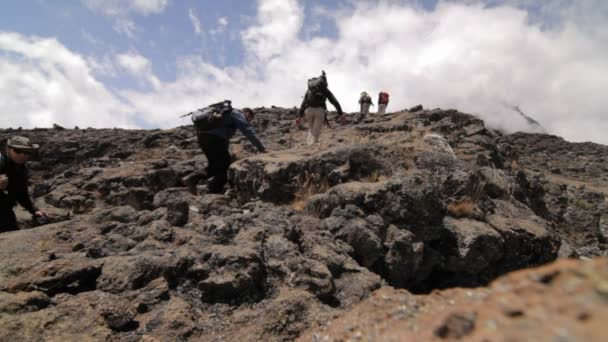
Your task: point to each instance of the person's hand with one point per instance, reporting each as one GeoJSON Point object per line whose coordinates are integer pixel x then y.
{"type": "Point", "coordinates": [298, 121]}
{"type": "Point", "coordinates": [41, 213]}
{"type": "Point", "coordinates": [3, 182]}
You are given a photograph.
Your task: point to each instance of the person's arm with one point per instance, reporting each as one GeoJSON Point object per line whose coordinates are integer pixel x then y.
{"type": "Point", "coordinates": [334, 102]}
{"type": "Point", "coordinates": [248, 130]}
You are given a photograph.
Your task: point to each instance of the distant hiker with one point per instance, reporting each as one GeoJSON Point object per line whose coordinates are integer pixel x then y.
{"type": "Point", "coordinates": [313, 107]}
{"type": "Point", "coordinates": [13, 181]}
{"type": "Point", "coordinates": [365, 101]}
{"type": "Point", "coordinates": [382, 102]}
{"type": "Point", "coordinates": [214, 138]}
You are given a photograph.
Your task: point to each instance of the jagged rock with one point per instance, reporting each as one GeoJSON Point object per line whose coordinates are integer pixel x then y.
{"type": "Point", "coordinates": [233, 275]}
{"type": "Point", "coordinates": [415, 109]}
{"type": "Point", "coordinates": [116, 312]}
{"type": "Point", "coordinates": [22, 302]}
{"type": "Point", "coordinates": [277, 177]}
{"type": "Point", "coordinates": [520, 306]}
{"type": "Point", "coordinates": [478, 245]}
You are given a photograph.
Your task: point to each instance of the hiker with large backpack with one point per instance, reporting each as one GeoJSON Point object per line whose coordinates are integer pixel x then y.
{"type": "Point", "coordinates": [215, 126]}
{"type": "Point", "coordinates": [13, 181]}
{"type": "Point", "coordinates": [382, 102]}
{"type": "Point", "coordinates": [313, 107]}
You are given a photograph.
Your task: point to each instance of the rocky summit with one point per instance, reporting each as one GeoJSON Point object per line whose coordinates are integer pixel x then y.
{"type": "Point", "coordinates": [405, 226]}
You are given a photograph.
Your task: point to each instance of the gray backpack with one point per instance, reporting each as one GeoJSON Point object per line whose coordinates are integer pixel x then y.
{"type": "Point", "coordinates": [316, 88]}
{"type": "Point", "coordinates": [211, 117]}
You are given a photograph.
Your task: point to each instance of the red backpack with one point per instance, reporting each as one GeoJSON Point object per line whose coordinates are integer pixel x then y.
{"type": "Point", "coordinates": [383, 97]}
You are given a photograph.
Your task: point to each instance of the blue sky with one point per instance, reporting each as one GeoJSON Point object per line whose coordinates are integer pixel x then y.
{"type": "Point", "coordinates": [141, 63]}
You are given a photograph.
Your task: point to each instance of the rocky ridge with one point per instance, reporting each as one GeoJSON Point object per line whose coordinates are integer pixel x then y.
{"type": "Point", "coordinates": [136, 249]}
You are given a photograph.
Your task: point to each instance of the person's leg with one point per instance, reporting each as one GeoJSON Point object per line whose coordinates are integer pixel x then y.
{"type": "Point", "coordinates": [218, 158]}
{"type": "Point", "coordinates": [218, 182]}
{"type": "Point", "coordinates": [319, 121]}
{"type": "Point", "coordinates": [310, 119]}
{"type": "Point", "coordinates": [381, 108]}
{"type": "Point", "coordinates": [365, 110]}
{"type": "Point", "coordinates": [221, 163]}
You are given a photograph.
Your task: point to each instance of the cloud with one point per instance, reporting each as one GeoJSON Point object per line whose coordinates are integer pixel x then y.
{"type": "Point", "coordinates": [126, 27]}
{"type": "Point", "coordinates": [122, 7]}
{"type": "Point", "coordinates": [279, 22]}
{"type": "Point", "coordinates": [42, 83]}
{"type": "Point", "coordinates": [120, 10]}
{"type": "Point", "coordinates": [139, 66]}
{"type": "Point", "coordinates": [103, 66]}
{"type": "Point", "coordinates": [222, 23]}
{"type": "Point", "coordinates": [195, 21]}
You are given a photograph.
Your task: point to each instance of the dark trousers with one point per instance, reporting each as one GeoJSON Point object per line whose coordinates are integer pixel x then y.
{"type": "Point", "coordinates": [218, 158]}
{"type": "Point", "coordinates": [8, 220]}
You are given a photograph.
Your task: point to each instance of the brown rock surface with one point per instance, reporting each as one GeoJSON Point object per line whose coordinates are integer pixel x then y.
{"type": "Point", "coordinates": [564, 301]}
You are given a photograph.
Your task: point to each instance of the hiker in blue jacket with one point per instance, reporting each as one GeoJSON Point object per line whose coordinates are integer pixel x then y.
{"type": "Point", "coordinates": [215, 144]}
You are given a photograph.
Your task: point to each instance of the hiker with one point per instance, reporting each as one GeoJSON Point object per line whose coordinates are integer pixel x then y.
{"type": "Point", "coordinates": [313, 107]}
{"type": "Point", "coordinates": [382, 102]}
{"type": "Point", "coordinates": [215, 142]}
{"type": "Point", "coordinates": [365, 101]}
{"type": "Point", "coordinates": [13, 181]}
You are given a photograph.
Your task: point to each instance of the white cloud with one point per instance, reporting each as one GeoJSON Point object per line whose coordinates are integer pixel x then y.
{"type": "Point", "coordinates": [126, 27]}
{"type": "Point", "coordinates": [120, 10]}
{"type": "Point", "coordinates": [222, 23]}
{"type": "Point", "coordinates": [43, 83]}
{"type": "Point", "coordinates": [139, 66]}
{"type": "Point", "coordinates": [123, 7]}
{"type": "Point", "coordinates": [103, 65]}
{"type": "Point", "coordinates": [195, 21]}
{"type": "Point", "coordinates": [279, 22]}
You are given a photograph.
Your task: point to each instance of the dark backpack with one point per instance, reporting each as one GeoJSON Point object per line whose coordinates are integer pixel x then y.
{"type": "Point", "coordinates": [211, 117]}
{"type": "Point", "coordinates": [317, 87]}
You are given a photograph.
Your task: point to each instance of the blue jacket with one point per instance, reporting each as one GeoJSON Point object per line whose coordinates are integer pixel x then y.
{"type": "Point", "coordinates": [236, 120]}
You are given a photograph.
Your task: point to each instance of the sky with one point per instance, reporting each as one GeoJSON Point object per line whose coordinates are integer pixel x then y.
{"type": "Point", "coordinates": [143, 63]}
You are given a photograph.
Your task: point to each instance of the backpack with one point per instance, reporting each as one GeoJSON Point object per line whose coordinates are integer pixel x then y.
{"type": "Point", "coordinates": [211, 117]}
{"type": "Point", "coordinates": [383, 97]}
{"type": "Point", "coordinates": [317, 87]}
